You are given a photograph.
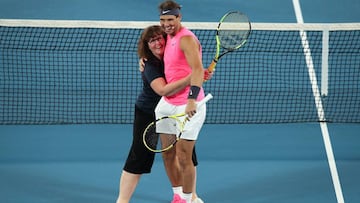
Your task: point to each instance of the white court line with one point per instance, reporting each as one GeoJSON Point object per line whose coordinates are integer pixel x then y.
{"type": "Point", "coordinates": [319, 106]}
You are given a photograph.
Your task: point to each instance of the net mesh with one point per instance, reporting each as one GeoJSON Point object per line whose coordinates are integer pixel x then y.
{"type": "Point", "coordinates": [83, 74]}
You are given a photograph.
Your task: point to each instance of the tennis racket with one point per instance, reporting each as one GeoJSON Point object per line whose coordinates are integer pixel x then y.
{"type": "Point", "coordinates": [232, 33]}
{"type": "Point", "coordinates": [156, 142]}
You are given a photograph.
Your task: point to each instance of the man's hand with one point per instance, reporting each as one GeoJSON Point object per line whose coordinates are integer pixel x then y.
{"type": "Point", "coordinates": [190, 109]}
{"type": "Point", "coordinates": [207, 75]}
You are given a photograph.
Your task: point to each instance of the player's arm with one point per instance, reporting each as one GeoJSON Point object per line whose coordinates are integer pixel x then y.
{"type": "Point", "coordinates": [191, 48]}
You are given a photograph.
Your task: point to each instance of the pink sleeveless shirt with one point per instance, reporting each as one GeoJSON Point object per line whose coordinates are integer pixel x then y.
{"type": "Point", "coordinates": [176, 66]}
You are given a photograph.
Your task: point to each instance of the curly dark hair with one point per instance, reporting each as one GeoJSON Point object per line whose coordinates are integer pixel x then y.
{"type": "Point", "coordinates": [148, 33]}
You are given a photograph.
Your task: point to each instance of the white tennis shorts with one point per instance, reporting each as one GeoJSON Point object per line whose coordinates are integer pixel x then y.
{"type": "Point", "coordinates": [192, 127]}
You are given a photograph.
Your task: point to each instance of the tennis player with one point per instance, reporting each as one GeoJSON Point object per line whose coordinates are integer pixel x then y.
{"type": "Point", "coordinates": [182, 57]}
{"type": "Point", "coordinates": [151, 45]}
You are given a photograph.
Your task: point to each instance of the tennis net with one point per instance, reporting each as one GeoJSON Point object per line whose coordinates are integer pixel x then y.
{"type": "Point", "coordinates": [77, 72]}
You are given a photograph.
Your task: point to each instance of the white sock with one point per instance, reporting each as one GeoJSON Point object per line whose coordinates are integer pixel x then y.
{"type": "Point", "coordinates": [187, 197]}
{"type": "Point", "coordinates": [177, 190]}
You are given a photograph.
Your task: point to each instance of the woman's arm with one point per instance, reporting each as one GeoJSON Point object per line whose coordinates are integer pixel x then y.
{"type": "Point", "coordinates": [161, 88]}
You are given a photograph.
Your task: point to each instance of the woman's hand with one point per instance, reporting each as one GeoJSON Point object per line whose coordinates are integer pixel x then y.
{"type": "Point", "coordinates": [142, 64]}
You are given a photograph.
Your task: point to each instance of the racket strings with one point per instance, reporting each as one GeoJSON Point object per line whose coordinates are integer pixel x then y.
{"type": "Point", "coordinates": [233, 30]}
{"type": "Point", "coordinates": [155, 139]}
{"type": "Point", "coordinates": [151, 137]}
{"type": "Point", "coordinates": [158, 142]}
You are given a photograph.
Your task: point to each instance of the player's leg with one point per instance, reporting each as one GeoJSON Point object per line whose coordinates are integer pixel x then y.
{"type": "Point", "coordinates": [184, 150]}
{"type": "Point", "coordinates": [170, 160]}
{"type": "Point", "coordinates": [195, 162]}
{"type": "Point", "coordinates": [195, 197]}
{"type": "Point", "coordinates": [172, 168]}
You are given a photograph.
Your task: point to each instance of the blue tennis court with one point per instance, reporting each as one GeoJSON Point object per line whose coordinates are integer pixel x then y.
{"type": "Point", "coordinates": [262, 163]}
{"type": "Point", "coordinates": [255, 163]}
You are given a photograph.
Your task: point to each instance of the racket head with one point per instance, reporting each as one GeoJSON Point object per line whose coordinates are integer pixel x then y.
{"type": "Point", "coordinates": [163, 133]}
{"type": "Point", "coordinates": [233, 30]}
{"type": "Point", "coordinates": [160, 142]}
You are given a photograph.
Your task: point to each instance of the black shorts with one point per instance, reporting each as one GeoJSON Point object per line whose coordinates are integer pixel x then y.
{"type": "Point", "coordinates": [140, 159]}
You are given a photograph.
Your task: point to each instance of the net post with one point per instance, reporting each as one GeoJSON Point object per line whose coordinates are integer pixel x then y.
{"type": "Point", "coordinates": [325, 64]}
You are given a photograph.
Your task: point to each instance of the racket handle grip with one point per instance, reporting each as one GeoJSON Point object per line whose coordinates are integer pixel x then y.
{"type": "Point", "coordinates": [212, 66]}
{"type": "Point", "coordinates": [206, 99]}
